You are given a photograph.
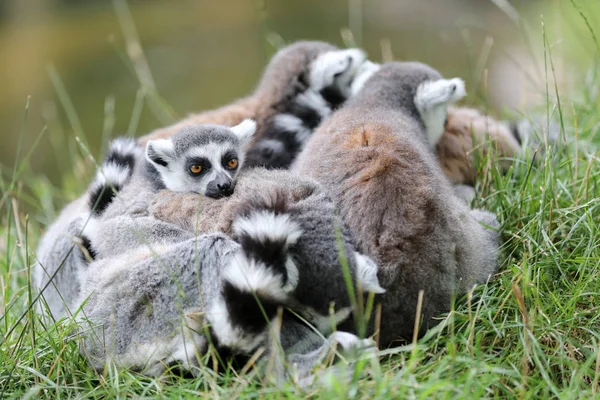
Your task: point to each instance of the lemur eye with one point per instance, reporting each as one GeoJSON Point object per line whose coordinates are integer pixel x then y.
{"type": "Point", "coordinates": [196, 169]}
{"type": "Point", "coordinates": [233, 163]}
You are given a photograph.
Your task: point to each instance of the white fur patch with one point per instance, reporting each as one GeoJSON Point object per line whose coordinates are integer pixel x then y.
{"type": "Point", "coordinates": [432, 100]}
{"type": "Point", "coordinates": [251, 276]}
{"type": "Point", "coordinates": [336, 67]}
{"type": "Point", "coordinates": [244, 131]}
{"type": "Point", "coordinates": [314, 101]}
{"type": "Point", "coordinates": [91, 229]}
{"type": "Point", "coordinates": [291, 123]}
{"type": "Point", "coordinates": [114, 174]}
{"type": "Point", "coordinates": [265, 226]}
{"type": "Point", "coordinates": [349, 341]}
{"type": "Point", "coordinates": [366, 273]}
{"type": "Point", "coordinates": [366, 70]}
{"type": "Point", "coordinates": [125, 146]}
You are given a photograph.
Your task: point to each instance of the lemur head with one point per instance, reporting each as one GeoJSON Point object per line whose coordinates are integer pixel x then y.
{"type": "Point", "coordinates": [202, 158]}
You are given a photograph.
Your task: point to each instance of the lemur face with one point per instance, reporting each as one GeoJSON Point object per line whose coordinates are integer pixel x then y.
{"type": "Point", "coordinates": [204, 159]}
{"type": "Point", "coordinates": [332, 73]}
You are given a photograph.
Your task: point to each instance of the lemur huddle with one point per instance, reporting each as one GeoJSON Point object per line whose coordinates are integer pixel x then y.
{"type": "Point", "coordinates": [334, 177]}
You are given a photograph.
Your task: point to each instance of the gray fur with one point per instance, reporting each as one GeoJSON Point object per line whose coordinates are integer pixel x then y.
{"type": "Point", "coordinates": [316, 251]}
{"type": "Point", "coordinates": [147, 309]}
{"type": "Point", "coordinates": [118, 283]}
{"type": "Point", "coordinates": [144, 308]}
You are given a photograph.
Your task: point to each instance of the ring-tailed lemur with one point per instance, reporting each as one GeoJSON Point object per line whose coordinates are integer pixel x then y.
{"type": "Point", "coordinates": [203, 159]}
{"type": "Point", "coordinates": [375, 157]}
{"type": "Point", "coordinates": [287, 256]}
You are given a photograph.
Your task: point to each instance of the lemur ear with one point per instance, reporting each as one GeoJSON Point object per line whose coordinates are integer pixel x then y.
{"type": "Point", "coordinates": [160, 152]}
{"type": "Point", "coordinates": [244, 130]}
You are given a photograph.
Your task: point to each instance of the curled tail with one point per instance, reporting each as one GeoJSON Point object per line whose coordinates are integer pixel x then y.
{"type": "Point", "coordinates": [261, 276]}
{"type": "Point", "coordinates": [116, 170]}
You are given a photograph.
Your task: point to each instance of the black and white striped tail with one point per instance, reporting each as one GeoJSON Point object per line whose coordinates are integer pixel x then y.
{"type": "Point", "coordinates": [286, 134]}
{"type": "Point", "coordinates": [114, 173]}
{"type": "Point", "coordinates": [261, 277]}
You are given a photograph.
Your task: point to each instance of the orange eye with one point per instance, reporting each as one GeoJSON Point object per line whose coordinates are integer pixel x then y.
{"type": "Point", "coordinates": [196, 169]}
{"type": "Point", "coordinates": [232, 163]}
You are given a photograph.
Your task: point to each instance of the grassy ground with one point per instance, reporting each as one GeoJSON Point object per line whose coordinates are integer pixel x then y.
{"type": "Point", "coordinates": [532, 332]}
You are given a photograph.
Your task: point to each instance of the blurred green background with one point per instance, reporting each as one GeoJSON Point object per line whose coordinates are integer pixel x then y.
{"type": "Point", "coordinates": [205, 53]}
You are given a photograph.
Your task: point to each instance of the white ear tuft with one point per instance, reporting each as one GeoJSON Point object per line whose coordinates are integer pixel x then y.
{"type": "Point", "coordinates": [160, 152]}
{"type": "Point", "coordinates": [245, 130]}
{"type": "Point", "coordinates": [366, 273]}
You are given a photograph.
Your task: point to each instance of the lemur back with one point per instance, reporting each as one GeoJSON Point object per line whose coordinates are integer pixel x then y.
{"type": "Point", "coordinates": [375, 159]}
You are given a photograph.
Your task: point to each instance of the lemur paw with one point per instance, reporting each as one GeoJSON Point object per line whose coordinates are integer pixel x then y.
{"type": "Point", "coordinates": [350, 344]}
{"type": "Point", "coordinates": [486, 218]}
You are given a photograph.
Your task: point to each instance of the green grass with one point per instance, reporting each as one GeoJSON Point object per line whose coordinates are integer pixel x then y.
{"type": "Point", "coordinates": [532, 332]}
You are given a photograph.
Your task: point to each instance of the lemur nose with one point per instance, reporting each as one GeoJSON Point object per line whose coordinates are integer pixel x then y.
{"type": "Point", "coordinates": [224, 186]}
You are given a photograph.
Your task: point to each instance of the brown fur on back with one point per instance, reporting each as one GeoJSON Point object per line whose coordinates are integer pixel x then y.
{"type": "Point", "coordinates": [399, 207]}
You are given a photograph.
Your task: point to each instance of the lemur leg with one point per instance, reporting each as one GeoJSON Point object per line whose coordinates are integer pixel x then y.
{"type": "Point", "coordinates": [344, 344]}
{"type": "Point", "coordinates": [432, 100]}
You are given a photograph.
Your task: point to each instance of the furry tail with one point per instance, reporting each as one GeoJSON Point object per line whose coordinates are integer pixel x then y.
{"type": "Point", "coordinates": [261, 277]}
{"type": "Point", "coordinates": [116, 170]}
